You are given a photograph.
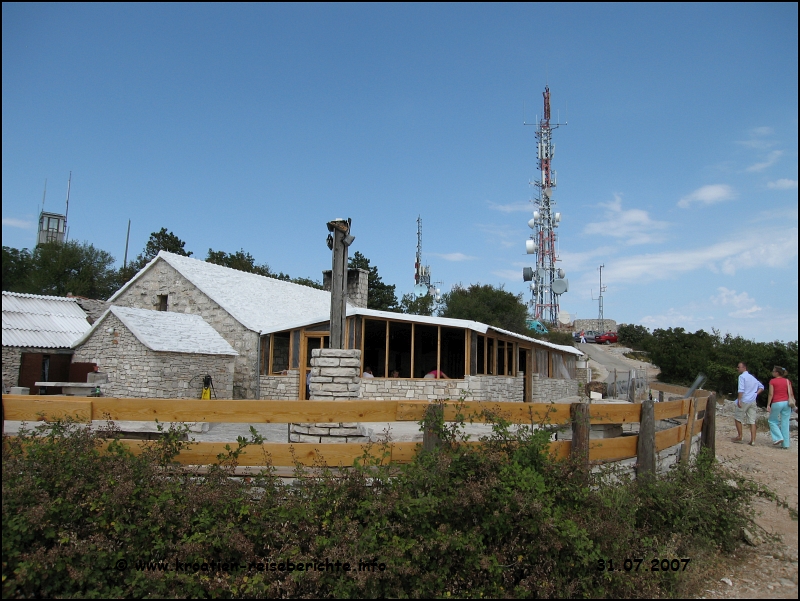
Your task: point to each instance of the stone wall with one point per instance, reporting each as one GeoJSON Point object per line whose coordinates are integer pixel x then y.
{"type": "Point", "coordinates": [335, 374]}
{"type": "Point", "coordinates": [357, 280]}
{"type": "Point", "coordinates": [594, 324]}
{"type": "Point", "coordinates": [184, 297]}
{"type": "Point", "coordinates": [546, 390]}
{"type": "Point", "coordinates": [584, 376]}
{"type": "Point", "coordinates": [136, 371]}
{"type": "Point", "coordinates": [12, 360]}
{"type": "Point", "coordinates": [281, 388]}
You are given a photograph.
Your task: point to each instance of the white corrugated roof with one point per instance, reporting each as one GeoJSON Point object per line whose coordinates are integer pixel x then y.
{"type": "Point", "coordinates": [259, 303]}
{"type": "Point", "coordinates": [33, 320]}
{"type": "Point", "coordinates": [167, 332]}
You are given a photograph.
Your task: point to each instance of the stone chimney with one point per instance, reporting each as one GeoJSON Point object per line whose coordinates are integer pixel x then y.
{"type": "Point", "coordinates": [357, 280]}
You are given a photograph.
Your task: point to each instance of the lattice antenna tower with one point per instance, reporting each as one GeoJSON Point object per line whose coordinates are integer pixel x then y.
{"type": "Point", "coordinates": [547, 282]}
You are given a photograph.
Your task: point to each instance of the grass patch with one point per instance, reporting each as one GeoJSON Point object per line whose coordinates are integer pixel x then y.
{"type": "Point", "coordinates": [500, 520]}
{"type": "Point", "coordinates": [638, 356]}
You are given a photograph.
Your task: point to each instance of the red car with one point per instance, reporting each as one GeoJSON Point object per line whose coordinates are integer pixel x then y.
{"type": "Point", "coordinates": [606, 338]}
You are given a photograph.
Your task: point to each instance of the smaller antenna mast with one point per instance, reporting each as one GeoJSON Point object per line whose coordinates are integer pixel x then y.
{"type": "Point", "coordinates": [66, 213]}
{"type": "Point", "coordinates": [127, 238]}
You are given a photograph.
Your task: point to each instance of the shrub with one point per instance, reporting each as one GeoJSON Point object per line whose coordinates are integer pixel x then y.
{"type": "Point", "coordinates": [502, 519]}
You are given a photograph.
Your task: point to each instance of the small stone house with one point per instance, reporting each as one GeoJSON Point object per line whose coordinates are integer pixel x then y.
{"type": "Point", "coordinates": [153, 354]}
{"type": "Point", "coordinates": [275, 325]}
{"type": "Point", "coordinates": [38, 332]}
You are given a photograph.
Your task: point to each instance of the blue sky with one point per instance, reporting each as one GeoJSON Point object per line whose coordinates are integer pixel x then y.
{"type": "Point", "coordinates": [241, 126]}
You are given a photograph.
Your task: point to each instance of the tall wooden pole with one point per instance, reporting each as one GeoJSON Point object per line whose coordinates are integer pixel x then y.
{"type": "Point", "coordinates": [338, 242]}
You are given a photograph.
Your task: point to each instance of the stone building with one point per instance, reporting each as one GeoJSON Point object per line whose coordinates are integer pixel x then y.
{"type": "Point", "coordinates": [38, 332]}
{"type": "Point", "coordinates": [152, 354]}
{"type": "Point", "coordinates": [275, 326]}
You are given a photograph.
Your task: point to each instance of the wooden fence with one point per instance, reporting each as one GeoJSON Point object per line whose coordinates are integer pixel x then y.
{"type": "Point", "coordinates": [696, 414]}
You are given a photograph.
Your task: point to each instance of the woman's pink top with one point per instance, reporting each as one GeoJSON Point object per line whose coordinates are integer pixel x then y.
{"type": "Point", "coordinates": [780, 389]}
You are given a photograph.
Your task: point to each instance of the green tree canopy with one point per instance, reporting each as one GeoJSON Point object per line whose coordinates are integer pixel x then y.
{"type": "Point", "coordinates": [381, 296]}
{"type": "Point", "coordinates": [160, 240]}
{"type": "Point", "coordinates": [16, 269]}
{"type": "Point", "coordinates": [416, 306]}
{"type": "Point", "coordinates": [241, 260]}
{"type": "Point", "coordinates": [56, 269]}
{"type": "Point", "coordinates": [487, 304]}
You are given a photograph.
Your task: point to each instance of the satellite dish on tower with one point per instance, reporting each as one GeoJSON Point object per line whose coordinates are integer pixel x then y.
{"type": "Point", "coordinates": [563, 317]}
{"type": "Point", "coordinates": [420, 290]}
{"type": "Point", "coordinates": [560, 286]}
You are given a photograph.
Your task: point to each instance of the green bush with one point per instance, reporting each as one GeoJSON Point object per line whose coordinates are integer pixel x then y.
{"type": "Point", "coordinates": [501, 520]}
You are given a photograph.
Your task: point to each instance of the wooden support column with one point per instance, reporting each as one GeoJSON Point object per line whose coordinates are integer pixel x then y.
{"type": "Point", "coordinates": [687, 441]}
{"type": "Point", "coordinates": [529, 375]}
{"type": "Point", "coordinates": [646, 448]}
{"type": "Point", "coordinates": [433, 414]}
{"type": "Point", "coordinates": [579, 413]}
{"type": "Point", "coordinates": [338, 242]}
{"type": "Point", "coordinates": [708, 434]}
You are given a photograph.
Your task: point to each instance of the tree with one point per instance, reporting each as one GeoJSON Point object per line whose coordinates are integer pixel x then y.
{"type": "Point", "coordinates": [487, 304]}
{"type": "Point", "coordinates": [417, 306]}
{"type": "Point", "coordinates": [160, 240]}
{"type": "Point", "coordinates": [16, 268]}
{"type": "Point", "coordinates": [381, 296]}
{"type": "Point", "coordinates": [241, 260]}
{"type": "Point", "coordinates": [71, 267]}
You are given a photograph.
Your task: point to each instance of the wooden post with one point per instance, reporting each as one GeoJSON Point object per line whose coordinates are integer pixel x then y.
{"type": "Point", "coordinates": [687, 441]}
{"type": "Point", "coordinates": [430, 440]}
{"type": "Point", "coordinates": [708, 434]}
{"type": "Point", "coordinates": [646, 448]}
{"type": "Point", "coordinates": [660, 396]}
{"type": "Point", "coordinates": [339, 242]}
{"type": "Point", "coordinates": [579, 413]}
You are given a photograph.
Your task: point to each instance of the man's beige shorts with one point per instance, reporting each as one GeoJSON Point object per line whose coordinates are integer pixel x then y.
{"type": "Point", "coordinates": [746, 414]}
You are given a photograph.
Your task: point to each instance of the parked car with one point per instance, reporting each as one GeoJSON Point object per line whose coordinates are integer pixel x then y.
{"type": "Point", "coordinates": [606, 338]}
{"type": "Point", "coordinates": [589, 335]}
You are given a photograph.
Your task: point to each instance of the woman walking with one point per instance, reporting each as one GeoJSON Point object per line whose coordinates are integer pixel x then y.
{"type": "Point", "coordinates": [780, 391]}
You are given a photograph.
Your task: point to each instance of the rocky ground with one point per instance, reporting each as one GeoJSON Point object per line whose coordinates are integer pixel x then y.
{"type": "Point", "coordinates": [767, 567]}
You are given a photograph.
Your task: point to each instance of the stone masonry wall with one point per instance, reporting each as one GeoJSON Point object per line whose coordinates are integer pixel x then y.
{"type": "Point", "coordinates": [546, 390]}
{"type": "Point", "coordinates": [136, 371]}
{"type": "Point", "coordinates": [184, 297]}
{"type": "Point", "coordinates": [281, 388]}
{"type": "Point", "coordinates": [584, 376]}
{"type": "Point", "coordinates": [335, 373]}
{"type": "Point", "coordinates": [594, 324]}
{"type": "Point", "coordinates": [475, 388]}
{"type": "Point", "coordinates": [12, 360]}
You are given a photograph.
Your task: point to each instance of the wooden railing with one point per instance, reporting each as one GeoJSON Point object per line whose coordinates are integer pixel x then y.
{"type": "Point", "coordinates": [698, 413]}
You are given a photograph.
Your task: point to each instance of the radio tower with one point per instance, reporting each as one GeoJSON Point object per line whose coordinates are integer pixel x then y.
{"type": "Point", "coordinates": [547, 282]}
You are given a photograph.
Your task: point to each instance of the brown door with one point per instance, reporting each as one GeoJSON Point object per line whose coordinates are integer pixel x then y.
{"type": "Point", "coordinates": [30, 371]}
{"type": "Point", "coordinates": [309, 342]}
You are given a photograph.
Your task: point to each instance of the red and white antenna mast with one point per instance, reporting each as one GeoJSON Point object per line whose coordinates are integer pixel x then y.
{"type": "Point", "coordinates": [547, 282]}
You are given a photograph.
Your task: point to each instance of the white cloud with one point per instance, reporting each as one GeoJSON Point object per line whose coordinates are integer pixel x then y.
{"type": "Point", "coordinates": [453, 256]}
{"type": "Point", "coordinates": [766, 247]}
{"type": "Point", "coordinates": [743, 304]}
{"type": "Point", "coordinates": [509, 274]}
{"type": "Point", "coordinates": [514, 207]}
{"type": "Point", "coordinates": [633, 226]}
{"type": "Point", "coordinates": [674, 318]}
{"type": "Point", "coordinates": [21, 224]}
{"type": "Point", "coordinates": [707, 195]}
{"type": "Point", "coordinates": [772, 158]}
{"type": "Point", "coordinates": [762, 131]}
{"type": "Point", "coordinates": [783, 184]}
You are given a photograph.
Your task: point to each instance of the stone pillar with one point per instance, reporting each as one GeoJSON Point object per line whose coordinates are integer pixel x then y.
{"type": "Point", "coordinates": [335, 375]}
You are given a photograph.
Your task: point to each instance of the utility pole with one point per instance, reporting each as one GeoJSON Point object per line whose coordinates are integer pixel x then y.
{"type": "Point", "coordinates": [601, 322]}
{"type": "Point", "coordinates": [338, 241]}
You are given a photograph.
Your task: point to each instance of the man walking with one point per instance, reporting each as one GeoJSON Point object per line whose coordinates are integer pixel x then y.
{"type": "Point", "coordinates": [749, 389]}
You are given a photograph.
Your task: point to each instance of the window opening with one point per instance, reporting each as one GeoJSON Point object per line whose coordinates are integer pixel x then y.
{"type": "Point", "coordinates": [162, 302]}
{"type": "Point", "coordinates": [501, 357]}
{"type": "Point", "coordinates": [375, 346]}
{"type": "Point", "coordinates": [452, 356]}
{"type": "Point", "coordinates": [426, 342]}
{"type": "Point", "coordinates": [400, 349]}
{"type": "Point", "coordinates": [280, 352]}
{"type": "Point", "coordinates": [481, 355]}
{"type": "Point", "coordinates": [490, 356]}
